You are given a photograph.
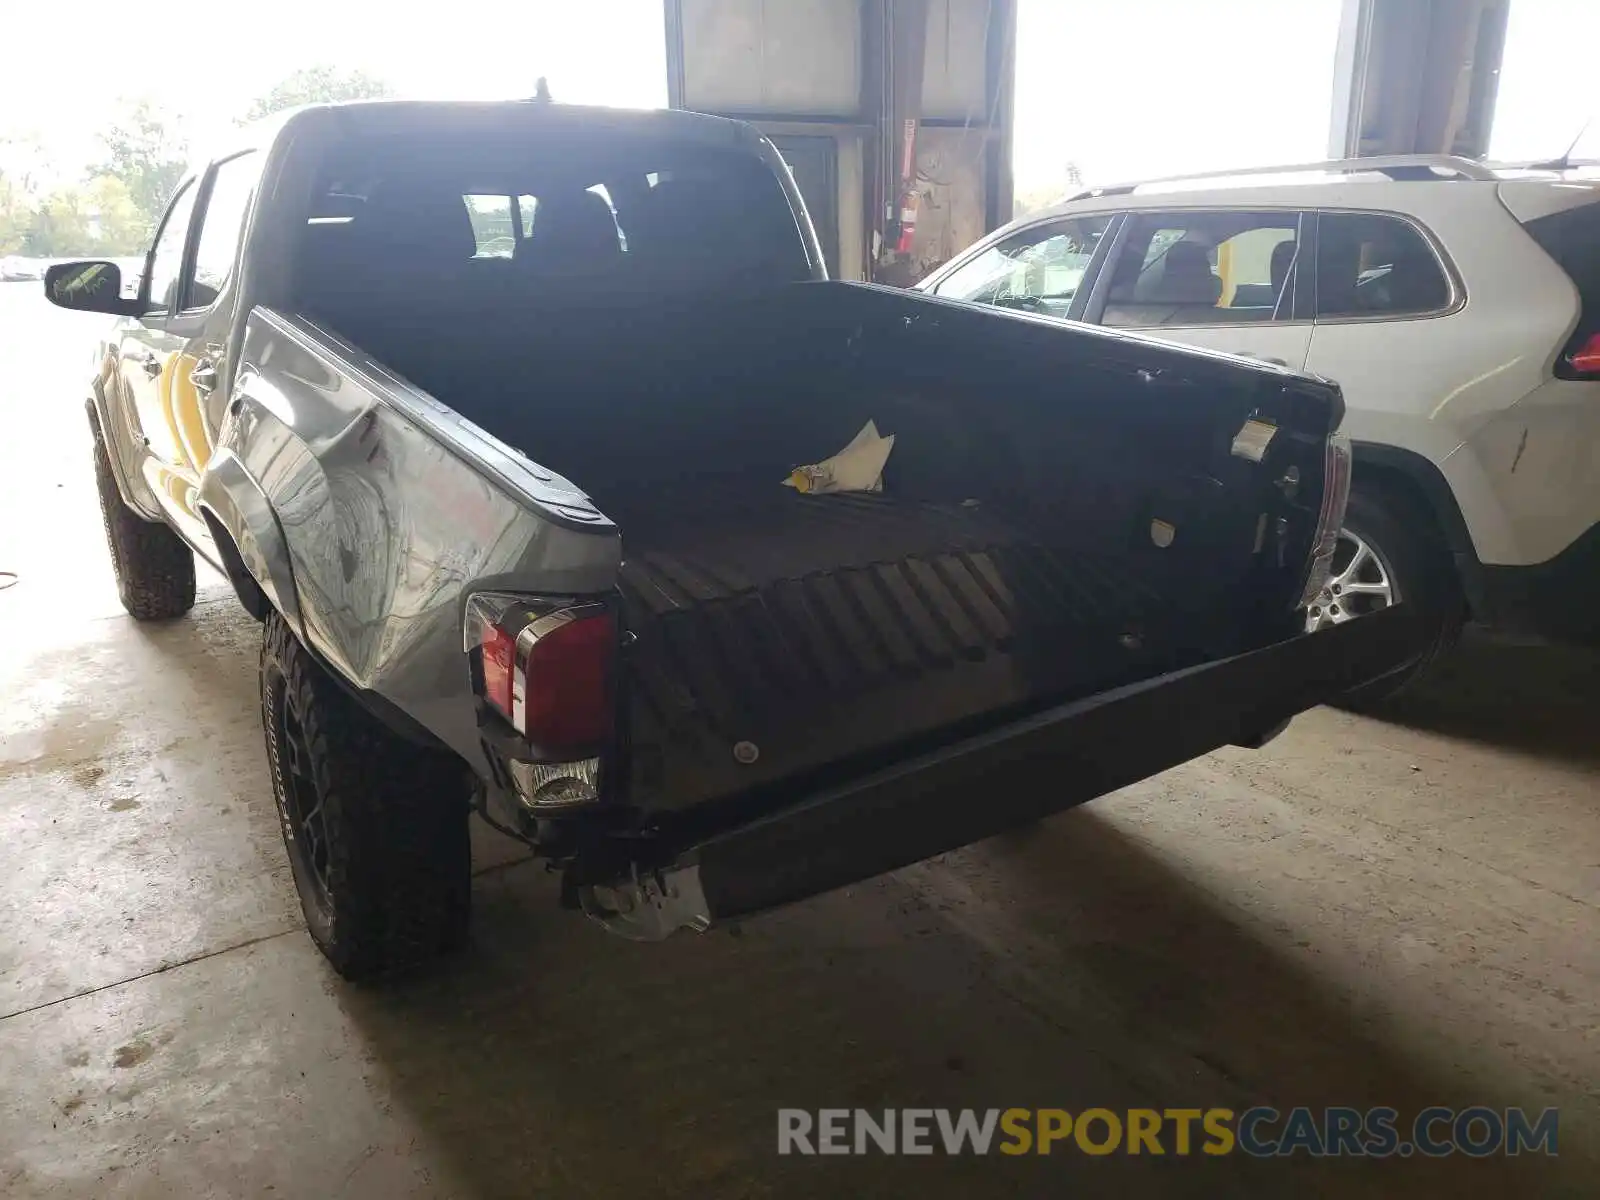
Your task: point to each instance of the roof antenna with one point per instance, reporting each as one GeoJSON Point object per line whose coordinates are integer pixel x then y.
{"type": "Point", "coordinates": [541, 92]}
{"type": "Point", "coordinates": [1564, 163]}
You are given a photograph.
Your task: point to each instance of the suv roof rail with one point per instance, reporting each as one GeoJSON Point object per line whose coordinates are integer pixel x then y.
{"type": "Point", "coordinates": [1399, 167]}
{"type": "Point", "coordinates": [1557, 166]}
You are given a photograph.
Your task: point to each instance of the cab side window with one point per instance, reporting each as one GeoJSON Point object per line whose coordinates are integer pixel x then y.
{"type": "Point", "coordinates": [166, 260]}
{"type": "Point", "coordinates": [493, 227]}
{"type": "Point", "coordinates": [1376, 266]}
{"type": "Point", "coordinates": [233, 185]}
{"type": "Point", "coordinates": [1205, 268]}
{"type": "Point", "coordinates": [1037, 270]}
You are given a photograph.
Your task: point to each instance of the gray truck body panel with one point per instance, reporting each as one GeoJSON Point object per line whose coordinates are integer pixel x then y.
{"type": "Point", "coordinates": [341, 450]}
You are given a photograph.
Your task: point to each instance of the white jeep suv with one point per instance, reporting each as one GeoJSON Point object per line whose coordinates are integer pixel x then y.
{"type": "Point", "coordinates": [1457, 305]}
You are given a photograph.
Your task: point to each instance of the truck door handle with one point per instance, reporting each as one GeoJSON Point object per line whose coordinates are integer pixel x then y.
{"type": "Point", "coordinates": [151, 364]}
{"type": "Point", "coordinates": [204, 376]}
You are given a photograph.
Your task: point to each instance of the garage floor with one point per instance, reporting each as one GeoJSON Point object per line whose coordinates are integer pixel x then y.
{"type": "Point", "coordinates": [1365, 913]}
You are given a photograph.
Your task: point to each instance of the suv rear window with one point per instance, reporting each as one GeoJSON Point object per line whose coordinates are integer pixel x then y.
{"type": "Point", "coordinates": [1375, 266]}
{"type": "Point", "coordinates": [1572, 238]}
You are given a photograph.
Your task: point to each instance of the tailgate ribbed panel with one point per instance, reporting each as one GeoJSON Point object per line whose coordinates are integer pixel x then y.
{"type": "Point", "coordinates": [816, 626]}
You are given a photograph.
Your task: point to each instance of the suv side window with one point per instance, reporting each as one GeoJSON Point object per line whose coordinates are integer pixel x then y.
{"type": "Point", "coordinates": [1376, 266]}
{"type": "Point", "coordinates": [233, 184]}
{"type": "Point", "coordinates": [1204, 268]}
{"type": "Point", "coordinates": [166, 259]}
{"type": "Point", "coordinates": [1038, 269]}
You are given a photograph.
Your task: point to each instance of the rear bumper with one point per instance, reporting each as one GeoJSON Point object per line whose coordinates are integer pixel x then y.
{"type": "Point", "coordinates": [1558, 599]}
{"type": "Point", "coordinates": [984, 785]}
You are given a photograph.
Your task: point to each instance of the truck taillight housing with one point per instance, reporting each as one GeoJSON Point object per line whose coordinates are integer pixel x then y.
{"type": "Point", "coordinates": [564, 700]}
{"type": "Point", "coordinates": [545, 667]}
{"type": "Point", "coordinates": [1336, 472]}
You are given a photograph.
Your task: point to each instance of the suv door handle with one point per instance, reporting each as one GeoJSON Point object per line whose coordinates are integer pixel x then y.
{"type": "Point", "coordinates": [204, 376]}
{"type": "Point", "coordinates": [151, 364]}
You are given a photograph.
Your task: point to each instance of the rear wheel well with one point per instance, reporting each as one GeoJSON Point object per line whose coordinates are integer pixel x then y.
{"type": "Point", "coordinates": [249, 592]}
{"type": "Point", "coordinates": [1420, 488]}
{"type": "Point", "coordinates": [1391, 481]}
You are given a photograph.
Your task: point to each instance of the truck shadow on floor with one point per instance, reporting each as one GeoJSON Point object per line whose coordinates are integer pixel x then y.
{"type": "Point", "coordinates": [1532, 698]}
{"type": "Point", "coordinates": [1068, 968]}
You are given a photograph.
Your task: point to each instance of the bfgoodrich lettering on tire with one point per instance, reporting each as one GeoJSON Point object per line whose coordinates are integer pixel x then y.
{"type": "Point", "coordinates": [375, 827]}
{"type": "Point", "coordinates": [153, 566]}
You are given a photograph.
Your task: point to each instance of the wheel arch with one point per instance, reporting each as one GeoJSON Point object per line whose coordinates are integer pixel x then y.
{"type": "Point", "coordinates": [250, 543]}
{"type": "Point", "coordinates": [1420, 481]}
{"type": "Point", "coordinates": [251, 595]}
{"type": "Point", "coordinates": [135, 495]}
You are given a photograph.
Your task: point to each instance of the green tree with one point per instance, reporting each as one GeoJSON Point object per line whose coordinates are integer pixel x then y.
{"type": "Point", "coordinates": [320, 84]}
{"type": "Point", "coordinates": [60, 226]}
{"type": "Point", "coordinates": [20, 156]}
{"type": "Point", "coordinates": [116, 226]}
{"type": "Point", "coordinates": [16, 214]}
{"type": "Point", "coordinates": [147, 155]}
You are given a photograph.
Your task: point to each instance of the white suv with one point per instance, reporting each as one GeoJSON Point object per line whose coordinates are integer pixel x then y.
{"type": "Point", "coordinates": [1457, 305]}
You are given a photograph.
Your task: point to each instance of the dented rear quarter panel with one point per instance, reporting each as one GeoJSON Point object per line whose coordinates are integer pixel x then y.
{"type": "Point", "coordinates": [392, 508]}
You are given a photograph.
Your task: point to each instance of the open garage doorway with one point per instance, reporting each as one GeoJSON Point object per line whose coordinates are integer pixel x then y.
{"type": "Point", "coordinates": [1107, 93]}
{"type": "Point", "coordinates": [1548, 101]}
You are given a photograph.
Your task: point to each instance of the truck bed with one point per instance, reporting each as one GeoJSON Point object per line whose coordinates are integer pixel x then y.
{"type": "Point", "coordinates": [779, 636]}
{"type": "Point", "coordinates": [1064, 512]}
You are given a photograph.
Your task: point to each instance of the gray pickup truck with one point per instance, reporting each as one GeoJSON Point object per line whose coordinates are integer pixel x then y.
{"type": "Point", "coordinates": [486, 411]}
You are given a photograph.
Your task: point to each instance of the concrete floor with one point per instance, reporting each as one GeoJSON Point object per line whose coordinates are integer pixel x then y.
{"type": "Point", "coordinates": [1365, 913]}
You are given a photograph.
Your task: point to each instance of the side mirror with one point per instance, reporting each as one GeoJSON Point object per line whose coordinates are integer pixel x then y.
{"type": "Point", "coordinates": [89, 287]}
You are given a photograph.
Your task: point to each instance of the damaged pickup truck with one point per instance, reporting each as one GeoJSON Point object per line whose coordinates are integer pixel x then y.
{"type": "Point", "coordinates": [498, 417]}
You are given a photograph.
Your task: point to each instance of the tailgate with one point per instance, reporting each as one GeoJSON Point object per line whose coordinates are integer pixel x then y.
{"type": "Point", "coordinates": [1065, 511]}
{"type": "Point", "coordinates": [988, 784]}
{"type": "Point", "coordinates": [819, 633]}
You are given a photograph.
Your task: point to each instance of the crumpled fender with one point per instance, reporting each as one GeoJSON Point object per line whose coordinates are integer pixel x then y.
{"type": "Point", "coordinates": [233, 499]}
{"type": "Point", "coordinates": [112, 429]}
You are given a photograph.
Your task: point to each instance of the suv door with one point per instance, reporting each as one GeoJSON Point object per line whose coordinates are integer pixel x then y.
{"type": "Point", "coordinates": [1383, 307]}
{"type": "Point", "coordinates": [182, 341]}
{"type": "Point", "coordinates": [1037, 269]}
{"type": "Point", "coordinates": [1225, 279]}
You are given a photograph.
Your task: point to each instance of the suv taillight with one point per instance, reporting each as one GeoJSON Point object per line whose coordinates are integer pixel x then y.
{"type": "Point", "coordinates": [1584, 361]}
{"type": "Point", "coordinates": [1330, 518]}
{"type": "Point", "coordinates": [545, 667]}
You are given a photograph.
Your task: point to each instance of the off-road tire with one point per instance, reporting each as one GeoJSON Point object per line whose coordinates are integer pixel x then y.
{"type": "Point", "coordinates": [153, 565]}
{"type": "Point", "coordinates": [396, 889]}
{"type": "Point", "coordinates": [1424, 576]}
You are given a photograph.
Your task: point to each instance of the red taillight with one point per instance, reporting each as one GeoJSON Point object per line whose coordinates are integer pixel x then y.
{"type": "Point", "coordinates": [1336, 472]}
{"type": "Point", "coordinates": [1586, 358]}
{"type": "Point", "coordinates": [546, 668]}
{"type": "Point", "coordinates": [566, 697]}
{"type": "Point", "coordinates": [499, 667]}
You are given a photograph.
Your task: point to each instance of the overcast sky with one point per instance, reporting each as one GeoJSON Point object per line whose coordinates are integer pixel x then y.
{"type": "Point", "coordinates": [1124, 88]}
